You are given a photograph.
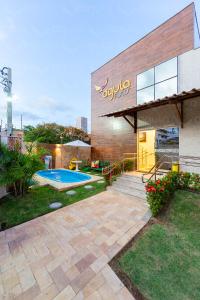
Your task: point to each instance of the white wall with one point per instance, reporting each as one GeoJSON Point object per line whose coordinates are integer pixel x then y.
{"type": "Point", "coordinates": [189, 70]}
{"type": "Point", "coordinates": [189, 138]}
{"type": "Point", "coordinates": [158, 117]}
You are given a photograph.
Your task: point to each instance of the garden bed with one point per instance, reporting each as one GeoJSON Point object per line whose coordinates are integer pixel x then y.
{"type": "Point", "coordinates": [16, 210]}
{"type": "Point", "coordinates": [163, 260]}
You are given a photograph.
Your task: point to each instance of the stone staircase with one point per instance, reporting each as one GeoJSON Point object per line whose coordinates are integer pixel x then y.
{"type": "Point", "coordinates": [130, 184]}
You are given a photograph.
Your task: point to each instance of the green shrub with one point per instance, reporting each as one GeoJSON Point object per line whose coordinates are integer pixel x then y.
{"type": "Point", "coordinates": [187, 180]}
{"type": "Point", "coordinates": [129, 164]}
{"type": "Point", "coordinates": [17, 169]}
{"type": "Point", "coordinates": [107, 179]}
{"type": "Point", "coordinates": [160, 191]}
{"type": "Point", "coordinates": [103, 164]}
{"type": "Point", "coordinates": [194, 181]}
{"type": "Point", "coordinates": [184, 180]}
{"type": "Point", "coordinates": [116, 170]}
{"type": "Point", "coordinates": [85, 164]}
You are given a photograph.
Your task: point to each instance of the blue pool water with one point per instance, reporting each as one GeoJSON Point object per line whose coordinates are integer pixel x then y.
{"type": "Point", "coordinates": [63, 175]}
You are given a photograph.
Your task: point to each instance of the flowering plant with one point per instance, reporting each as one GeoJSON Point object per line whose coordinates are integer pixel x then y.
{"type": "Point", "coordinates": [159, 191]}
{"type": "Point", "coordinates": [189, 181]}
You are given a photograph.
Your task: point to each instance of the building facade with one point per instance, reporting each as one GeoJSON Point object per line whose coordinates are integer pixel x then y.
{"type": "Point", "coordinates": [163, 63]}
{"type": "Point", "coordinates": [81, 123]}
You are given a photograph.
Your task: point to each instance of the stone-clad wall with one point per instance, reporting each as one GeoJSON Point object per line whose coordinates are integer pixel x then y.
{"type": "Point", "coordinates": [112, 137]}
{"type": "Point", "coordinates": [63, 154]}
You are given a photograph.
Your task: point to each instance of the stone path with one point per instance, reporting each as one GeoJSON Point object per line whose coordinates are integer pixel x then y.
{"type": "Point", "coordinates": [65, 254]}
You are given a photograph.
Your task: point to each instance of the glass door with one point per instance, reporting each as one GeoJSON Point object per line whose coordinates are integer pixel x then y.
{"type": "Point", "coordinates": [146, 150]}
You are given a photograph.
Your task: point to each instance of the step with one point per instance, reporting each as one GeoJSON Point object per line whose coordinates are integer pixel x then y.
{"type": "Point", "coordinates": [128, 196]}
{"type": "Point", "coordinates": [130, 178]}
{"type": "Point", "coordinates": [130, 191]}
{"type": "Point", "coordinates": [131, 185]}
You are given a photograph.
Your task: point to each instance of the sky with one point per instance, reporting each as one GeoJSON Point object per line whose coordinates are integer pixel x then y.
{"type": "Point", "coordinates": [53, 46]}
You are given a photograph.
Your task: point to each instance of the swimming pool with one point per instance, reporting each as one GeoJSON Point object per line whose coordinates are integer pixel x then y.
{"type": "Point", "coordinates": [65, 176]}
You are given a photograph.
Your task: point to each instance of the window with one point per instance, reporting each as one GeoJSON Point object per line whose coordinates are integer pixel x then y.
{"type": "Point", "coordinates": [166, 88]}
{"type": "Point", "coordinates": [145, 79]}
{"type": "Point", "coordinates": [145, 95]}
{"type": "Point", "coordinates": [166, 70]}
{"type": "Point", "coordinates": [157, 82]}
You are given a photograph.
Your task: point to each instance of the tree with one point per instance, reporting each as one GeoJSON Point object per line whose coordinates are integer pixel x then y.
{"type": "Point", "coordinates": [52, 133]}
{"type": "Point", "coordinates": [17, 169]}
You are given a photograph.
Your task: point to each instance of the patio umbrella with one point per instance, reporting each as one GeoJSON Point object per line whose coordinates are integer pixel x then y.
{"type": "Point", "coordinates": [77, 144]}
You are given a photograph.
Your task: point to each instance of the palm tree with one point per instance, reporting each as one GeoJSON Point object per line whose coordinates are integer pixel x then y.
{"type": "Point", "coordinates": [17, 169]}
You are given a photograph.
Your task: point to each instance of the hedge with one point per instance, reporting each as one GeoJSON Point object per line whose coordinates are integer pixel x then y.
{"type": "Point", "coordinates": [160, 191]}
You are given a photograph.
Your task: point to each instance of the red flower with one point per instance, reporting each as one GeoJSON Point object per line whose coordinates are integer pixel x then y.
{"type": "Point", "coordinates": [152, 189]}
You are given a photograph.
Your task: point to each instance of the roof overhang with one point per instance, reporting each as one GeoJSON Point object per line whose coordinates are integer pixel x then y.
{"type": "Point", "coordinates": [174, 99]}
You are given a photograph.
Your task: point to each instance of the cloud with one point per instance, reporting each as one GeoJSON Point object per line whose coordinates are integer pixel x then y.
{"type": "Point", "coordinates": [3, 36]}
{"type": "Point", "coordinates": [43, 109]}
{"type": "Point", "coordinates": [52, 104]}
{"type": "Point", "coordinates": [27, 115]}
{"type": "Point", "coordinates": [8, 28]}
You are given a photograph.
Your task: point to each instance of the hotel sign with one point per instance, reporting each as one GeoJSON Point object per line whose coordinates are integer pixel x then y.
{"type": "Point", "coordinates": [115, 91]}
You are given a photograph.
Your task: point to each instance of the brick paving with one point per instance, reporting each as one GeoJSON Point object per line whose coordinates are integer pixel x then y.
{"type": "Point", "coordinates": [65, 254]}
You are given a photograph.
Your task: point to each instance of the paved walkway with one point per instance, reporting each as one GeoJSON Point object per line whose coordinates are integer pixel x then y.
{"type": "Point", "coordinates": [65, 254]}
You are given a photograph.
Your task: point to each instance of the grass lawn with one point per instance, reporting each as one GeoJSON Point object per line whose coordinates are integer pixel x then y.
{"type": "Point", "coordinates": [36, 202]}
{"type": "Point", "coordinates": [164, 262]}
{"type": "Point", "coordinates": [93, 172]}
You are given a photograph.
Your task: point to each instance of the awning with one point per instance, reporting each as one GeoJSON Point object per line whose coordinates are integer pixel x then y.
{"type": "Point", "coordinates": [174, 99]}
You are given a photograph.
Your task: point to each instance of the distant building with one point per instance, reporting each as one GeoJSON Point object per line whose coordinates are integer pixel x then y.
{"type": "Point", "coordinates": [168, 136]}
{"type": "Point", "coordinates": [81, 123]}
{"type": "Point", "coordinates": [11, 139]}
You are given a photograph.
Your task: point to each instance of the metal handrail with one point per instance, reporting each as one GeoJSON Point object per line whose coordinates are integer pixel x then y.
{"type": "Point", "coordinates": [197, 165]}
{"type": "Point", "coordinates": [111, 167]}
{"type": "Point", "coordinates": [157, 166]}
{"type": "Point", "coordinates": [108, 170]}
{"type": "Point", "coordinates": [135, 155]}
{"type": "Point", "coordinates": [145, 156]}
{"type": "Point", "coordinates": [153, 171]}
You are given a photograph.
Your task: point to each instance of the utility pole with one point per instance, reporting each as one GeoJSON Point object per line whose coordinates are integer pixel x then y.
{"type": "Point", "coordinates": [6, 82]}
{"type": "Point", "coordinates": [21, 122]}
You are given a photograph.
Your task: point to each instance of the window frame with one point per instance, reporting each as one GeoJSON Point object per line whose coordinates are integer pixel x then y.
{"type": "Point", "coordinates": [155, 83]}
{"type": "Point", "coordinates": [149, 86]}
{"type": "Point", "coordinates": [153, 68]}
{"type": "Point", "coordinates": [169, 79]}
